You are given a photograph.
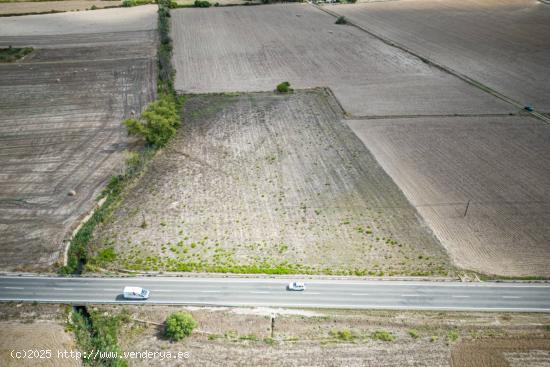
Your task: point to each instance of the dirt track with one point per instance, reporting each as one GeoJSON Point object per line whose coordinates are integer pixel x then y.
{"type": "Point", "coordinates": [501, 43]}
{"type": "Point", "coordinates": [60, 131]}
{"type": "Point", "coordinates": [498, 163]}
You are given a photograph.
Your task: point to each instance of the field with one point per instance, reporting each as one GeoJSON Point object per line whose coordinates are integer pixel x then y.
{"type": "Point", "coordinates": [501, 43]}
{"type": "Point", "coordinates": [301, 44]}
{"type": "Point", "coordinates": [34, 327]}
{"type": "Point", "coordinates": [237, 337]}
{"type": "Point", "coordinates": [272, 183]}
{"type": "Point", "coordinates": [22, 7]}
{"type": "Point", "coordinates": [497, 164]}
{"type": "Point", "coordinates": [60, 132]}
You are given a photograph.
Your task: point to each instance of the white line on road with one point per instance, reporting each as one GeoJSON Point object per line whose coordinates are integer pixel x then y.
{"type": "Point", "coordinates": [162, 290]}
{"type": "Point", "coordinates": [260, 292]}
{"type": "Point", "coordinates": [359, 294]}
{"type": "Point", "coordinates": [63, 289]}
{"type": "Point", "coordinates": [111, 289]}
{"type": "Point", "coordinates": [210, 291]}
{"type": "Point", "coordinates": [510, 297]}
{"type": "Point", "coordinates": [461, 296]}
{"type": "Point", "coordinates": [410, 295]}
{"type": "Point", "coordinates": [311, 293]}
{"type": "Point", "coordinates": [14, 288]}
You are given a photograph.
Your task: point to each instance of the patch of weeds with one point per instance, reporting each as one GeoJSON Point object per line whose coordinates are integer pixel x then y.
{"type": "Point", "coordinates": [383, 335]}
{"type": "Point", "coordinates": [250, 337]}
{"type": "Point", "coordinates": [453, 336]}
{"type": "Point", "coordinates": [413, 334]}
{"type": "Point", "coordinates": [344, 334]}
{"type": "Point", "coordinates": [434, 338]}
{"type": "Point", "coordinates": [12, 54]}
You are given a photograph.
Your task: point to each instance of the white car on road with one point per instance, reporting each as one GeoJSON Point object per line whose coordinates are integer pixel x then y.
{"type": "Point", "coordinates": [135, 293]}
{"type": "Point", "coordinates": [296, 286]}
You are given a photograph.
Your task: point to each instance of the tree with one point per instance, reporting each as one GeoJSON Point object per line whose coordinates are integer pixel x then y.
{"type": "Point", "coordinates": [157, 123]}
{"type": "Point", "coordinates": [179, 325]}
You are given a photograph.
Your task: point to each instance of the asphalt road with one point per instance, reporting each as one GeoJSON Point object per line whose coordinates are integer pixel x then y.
{"type": "Point", "coordinates": [405, 295]}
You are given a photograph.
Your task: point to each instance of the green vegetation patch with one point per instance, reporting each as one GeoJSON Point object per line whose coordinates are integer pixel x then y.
{"type": "Point", "coordinates": [179, 325]}
{"type": "Point", "coordinates": [100, 333]}
{"type": "Point", "coordinates": [12, 54]}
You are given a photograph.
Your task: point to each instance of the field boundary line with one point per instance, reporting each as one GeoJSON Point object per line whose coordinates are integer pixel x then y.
{"type": "Point", "coordinates": [442, 67]}
{"type": "Point", "coordinates": [382, 117]}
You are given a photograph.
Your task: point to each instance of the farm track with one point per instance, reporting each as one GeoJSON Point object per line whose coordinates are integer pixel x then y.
{"type": "Point", "coordinates": [60, 131]}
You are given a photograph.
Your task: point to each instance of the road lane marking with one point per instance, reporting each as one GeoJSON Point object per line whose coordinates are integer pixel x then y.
{"type": "Point", "coordinates": [410, 295]}
{"type": "Point", "coordinates": [63, 289]}
{"type": "Point", "coordinates": [510, 297]}
{"type": "Point", "coordinates": [14, 288]}
{"type": "Point", "coordinates": [161, 290]}
{"type": "Point", "coordinates": [311, 293]}
{"type": "Point", "coordinates": [359, 294]}
{"type": "Point", "coordinates": [210, 291]}
{"type": "Point", "coordinates": [260, 292]}
{"type": "Point", "coordinates": [111, 289]}
{"type": "Point", "coordinates": [461, 296]}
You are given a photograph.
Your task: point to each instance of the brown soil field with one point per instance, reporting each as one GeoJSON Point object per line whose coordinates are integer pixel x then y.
{"type": "Point", "coordinates": [501, 43]}
{"type": "Point", "coordinates": [255, 48]}
{"type": "Point", "coordinates": [21, 7]}
{"type": "Point", "coordinates": [502, 353]}
{"type": "Point", "coordinates": [40, 327]}
{"type": "Point", "coordinates": [244, 337]}
{"type": "Point", "coordinates": [138, 18]}
{"type": "Point", "coordinates": [499, 164]}
{"type": "Point", "coordinates": [60, 131]}
{"type": "Point", "coordinates": [265, 182]}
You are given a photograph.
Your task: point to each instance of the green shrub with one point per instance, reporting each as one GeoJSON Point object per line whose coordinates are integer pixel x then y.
{"type": "Point", "coordinates": [341, 20]}
{"type": "Point", "coordinates": [284, 87]}
{"type": "Point", "coordinates": [453, 335]}
{"type": "Point", "coordinates": [413, 333]}
{"type": "Point", "coordinates": [158, 123]}
{"type": "Point", "coordinates": [383, 335]}
{"type": "Point", "coordinates": [107, 254]}
{"type": "Point", "coordinates": [129, 3]}
{"type": "Point", "coordinates": [12, 54]}
{"type": "Point", "coordinates": [179, 325]}
{"type": "Point", "coordinates": [202, 4]}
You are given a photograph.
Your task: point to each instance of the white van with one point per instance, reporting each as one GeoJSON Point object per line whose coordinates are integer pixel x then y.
{"type": "Point", "coordinates": [135, 293]}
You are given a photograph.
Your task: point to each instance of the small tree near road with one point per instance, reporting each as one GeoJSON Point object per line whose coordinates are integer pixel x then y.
{"type": "Point", "coordinates": [179, 325]}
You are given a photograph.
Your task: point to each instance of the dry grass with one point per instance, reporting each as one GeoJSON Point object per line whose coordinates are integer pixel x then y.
{"type": "Point", "coordinates": [235, 337]}
{"type": "Point", "coordinates": [269, 183]}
